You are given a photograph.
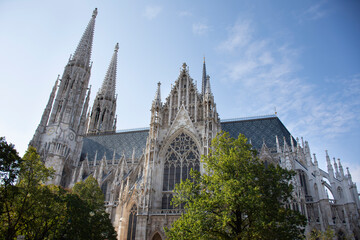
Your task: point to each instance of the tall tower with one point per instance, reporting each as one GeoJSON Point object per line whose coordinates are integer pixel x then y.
{"type": "Point", "coordinates": [58, 137]}
{"type": "Point", "coordinates": [102, 117]}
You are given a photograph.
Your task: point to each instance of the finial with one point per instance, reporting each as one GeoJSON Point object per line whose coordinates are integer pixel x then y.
{"type": "Point", "coordinates": [275, 111]}
{"type": "Point", "coordinates": [159, 83]}
{"type": "Point", "coordinates": [95, 12]}
{"type": "Point", "coordinates": [184, 66]}
{"type": "Point", "coordinates": [349, 175]}
{"type": "Point", "coordinates": [116, 47]}
{"type": "Point", "coordinates": [348, 172]}
{"type": "Point", "coordinates": [204, 58]}
{"type": "Point", "coordinates": [315, 160]}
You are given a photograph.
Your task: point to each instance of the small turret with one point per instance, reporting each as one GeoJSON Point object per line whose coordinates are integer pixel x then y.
{"type": "Point", "coordinates": [82, 125]}
{"type": "Point", "coordinates": [337, 174]}
{"type": "Point", "coordinates": [349, 176]}
{"type": "Point", "coordinates": [315, 160]}
{"type": "Point", "coordinates": [329, 166]}
{"type": "Point", "coordinates": [45, 117]}
{"type": "Point", "coordinates": [341, 169]}
{"type": "Point", "coordinates": [208, 88]}
{"type": "Point", "coordinates": [204, 80]}
{"type": "Point", "coordinates": [286, 147]}
{"type": "Point", "coordinates": [157, 100]}
{"type": "Point", "coordinates": [292, 144]}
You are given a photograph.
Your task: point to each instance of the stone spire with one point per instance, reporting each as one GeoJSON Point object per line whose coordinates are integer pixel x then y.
{"type": "Point", "coordinates": [109, 84]}
{"type": "Point", "coordinates": [102, 117]}
{"type": "Point", "coordinates": [45, 117]}
{"type": "Point", "coordinates": [204, 79]}
{"type": "Point", "coordinates": [83, 51]}
{"type": "Point", "coordinates": [60, 142]}
{"type": "Point", "coordinates": [70, 98]}
{"type": "Point", "coordinates": [157, 99]}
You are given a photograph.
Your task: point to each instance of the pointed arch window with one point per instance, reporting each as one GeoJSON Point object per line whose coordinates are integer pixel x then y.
{"type": "Point", "coordinates": [181, 156]}
{"type": "Point", "coordinates": [132, 223]}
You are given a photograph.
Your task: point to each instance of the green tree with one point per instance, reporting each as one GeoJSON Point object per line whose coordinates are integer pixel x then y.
{"type": "Point", "coordinates": [9, 163]}
{"type": "Point", "coordinates": [86, 214]}
{"type": "Point", "coordinates": [39, 211]}
{"type": "Point", "coordinates": [240, 198]}
{"type": "Point", "coordinates": [31, 209]}
{"type": "Point", "coordinates": [319, 235]}
{"type": "Point", "coordinates": [9, 170]}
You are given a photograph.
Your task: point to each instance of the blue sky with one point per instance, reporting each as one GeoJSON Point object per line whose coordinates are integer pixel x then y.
{"type": "Point", "coordinates": [302, 57]}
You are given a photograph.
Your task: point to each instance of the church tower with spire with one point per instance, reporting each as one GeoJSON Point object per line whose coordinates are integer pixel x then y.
{"type": "Point", "coordinates": [58, 138]}
{"type": "Point", "coordinates": [102, 118]}
{"type": "Point", "coordinates": [138, 169]}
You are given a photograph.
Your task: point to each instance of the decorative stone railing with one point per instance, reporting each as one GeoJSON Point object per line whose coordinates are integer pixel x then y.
{"type": "Point", "coordinates": [167, 212]}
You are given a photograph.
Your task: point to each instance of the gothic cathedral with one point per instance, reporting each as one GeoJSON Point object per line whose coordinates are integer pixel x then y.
{"type": "Point", "coordinates": [137, 169]}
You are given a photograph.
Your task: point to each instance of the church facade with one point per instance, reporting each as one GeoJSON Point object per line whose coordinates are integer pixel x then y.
{"type": "Point", "coordinates": [137, 169]}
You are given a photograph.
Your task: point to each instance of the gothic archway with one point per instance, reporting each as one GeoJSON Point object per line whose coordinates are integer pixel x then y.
{"type": "Point", "coordinates": [157, 237]}
{"type": "Point", "coordinates": [181, 156]}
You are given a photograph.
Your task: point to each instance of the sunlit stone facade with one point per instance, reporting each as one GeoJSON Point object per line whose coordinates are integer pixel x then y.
{"type": "Point", "coordinates": [138, 169]}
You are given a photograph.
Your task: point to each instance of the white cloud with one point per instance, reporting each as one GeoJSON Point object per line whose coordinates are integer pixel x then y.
{"type": "Point", "coordinates": [314, 12]}
{"type": "Point", "coordinates": [152, 12]}
{"type": "Point", "coordinates": [200, 28]}
{"type": "Point", "coordinates": [239, 36]}
{"type": "Point", "coordinates": [268, 71]}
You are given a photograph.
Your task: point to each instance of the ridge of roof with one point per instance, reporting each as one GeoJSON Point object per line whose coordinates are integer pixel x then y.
{"type": "Point", "coordinates": [248, 118]}
{"type": "Point", "coordinates": [221, 121]}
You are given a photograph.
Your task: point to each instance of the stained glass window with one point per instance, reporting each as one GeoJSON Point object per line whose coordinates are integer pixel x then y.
{"type": "Point", "coordinates": [181, 156]}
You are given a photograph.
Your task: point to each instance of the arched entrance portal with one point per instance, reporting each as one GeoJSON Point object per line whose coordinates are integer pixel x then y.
{"type": "Point", "coordinates": [157, 237]}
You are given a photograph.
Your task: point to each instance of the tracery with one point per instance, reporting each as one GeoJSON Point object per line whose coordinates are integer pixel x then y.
{"type": "Point", "coordinates": [181, 156]}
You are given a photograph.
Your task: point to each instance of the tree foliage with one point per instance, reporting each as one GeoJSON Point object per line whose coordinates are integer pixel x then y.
{"type": "Point", "coordinates": [38, 211]}
{"type": "Point", "coordinates": [9, 163]}
{"type": "Point", "coordinates": [86, 213]}
{"type": "Point", "coordinates": [9, 170]}
{"type": "Point", "coordinates": [240, 198]}
{"type": "Point", "coordinates": [30, 208]}
{"type": "Point", "coordinates": [319, 235]}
